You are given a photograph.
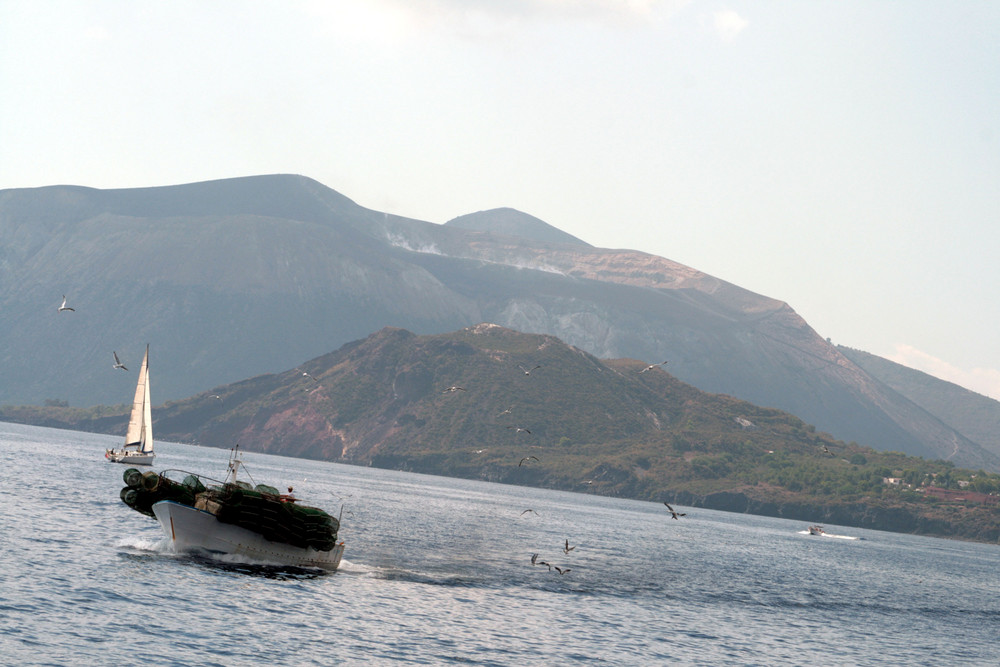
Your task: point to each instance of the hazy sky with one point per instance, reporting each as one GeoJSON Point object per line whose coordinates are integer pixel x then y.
{"type": "Point", "coordinates": [842, 156]}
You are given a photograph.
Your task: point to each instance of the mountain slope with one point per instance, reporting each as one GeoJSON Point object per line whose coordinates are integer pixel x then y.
{"type": "Point", "coordinates": [975, 416]}
{"type": "Point", "coordinates": [490, 403]}
{"type": "Point", "coordinates": [234, 278]}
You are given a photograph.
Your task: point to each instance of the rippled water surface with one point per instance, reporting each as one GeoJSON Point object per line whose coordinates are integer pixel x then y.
{"type": "Point", "coordinates": [438, 571]}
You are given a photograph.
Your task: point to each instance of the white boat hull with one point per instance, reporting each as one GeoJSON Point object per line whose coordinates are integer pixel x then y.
{"type": "Point", "coordinates": [191, 529]}
{"type": "Point", "coordinates": [131, 458]}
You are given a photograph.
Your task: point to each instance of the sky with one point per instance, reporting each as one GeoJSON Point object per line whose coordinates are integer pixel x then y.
{"type": "Point", "coordinates": [842, 157]}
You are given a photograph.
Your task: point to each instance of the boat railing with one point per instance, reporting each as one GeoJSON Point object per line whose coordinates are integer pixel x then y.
{"type": "Point", "coordinates": [163, 473]}
{"type": "Point", "coordinates": [227, 484]}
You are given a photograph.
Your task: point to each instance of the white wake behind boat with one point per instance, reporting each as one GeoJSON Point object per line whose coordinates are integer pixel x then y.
{"type": "Point", "coordinates": [194, 530]}
{"type": "Point", "coordinates": [138, 448]}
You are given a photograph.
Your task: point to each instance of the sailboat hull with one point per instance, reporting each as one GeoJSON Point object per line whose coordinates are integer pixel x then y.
{"type": "Point", "coordinates": [191, 530]}
{"type": "Point", "coordinates": [131, 458]}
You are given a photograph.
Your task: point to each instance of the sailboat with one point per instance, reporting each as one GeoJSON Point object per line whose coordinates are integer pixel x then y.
{"type": "Point", "coordinates": [138, 449]}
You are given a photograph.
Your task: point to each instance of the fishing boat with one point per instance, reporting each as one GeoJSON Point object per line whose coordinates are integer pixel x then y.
{"type": "Point", "coordinates": [256, 522]}
{"type": "Point", "coordinates": [138, 448]}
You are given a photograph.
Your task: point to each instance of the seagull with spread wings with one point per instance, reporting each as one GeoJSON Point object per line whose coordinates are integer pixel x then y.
{"type": "Point", "coordinates": [673, 513]}
{"type": "Point", "coordinates": [652, 366]}
{"type": "Point", "coordinates": [118, 362]}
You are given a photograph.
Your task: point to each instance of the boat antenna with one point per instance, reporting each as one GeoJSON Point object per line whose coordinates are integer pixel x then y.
{"type": "Point", "coordinates": [235, 463]}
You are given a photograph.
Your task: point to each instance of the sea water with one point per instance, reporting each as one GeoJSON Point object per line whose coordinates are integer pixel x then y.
{"type": "Point", "coordinates": [438, 571]}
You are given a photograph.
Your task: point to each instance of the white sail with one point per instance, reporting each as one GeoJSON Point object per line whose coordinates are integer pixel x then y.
{"type": "Point", "coordinates": [140, 423]}
{"type": "Point", "coordinates": [147, 409]}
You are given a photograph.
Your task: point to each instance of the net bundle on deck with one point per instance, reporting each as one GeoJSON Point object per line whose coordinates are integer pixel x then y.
{"type": "Point", "coordinates": [264, 511]}
{"type": "Point", "coordinates": [143, 489]}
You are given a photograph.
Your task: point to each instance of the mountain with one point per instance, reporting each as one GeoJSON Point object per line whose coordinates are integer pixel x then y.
{"type": "Point", "coordinates": [240, 277]}
{"type": "Point", "coordinates": [509, 222]}
{"type": "Point", "coordinates": [490, 403]}
{"type": "Point", "coordinates": [975, 416]}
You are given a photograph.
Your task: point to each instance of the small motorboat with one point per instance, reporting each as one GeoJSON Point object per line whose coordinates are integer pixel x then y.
{"type": "Point", "coordinates": [819, 530]}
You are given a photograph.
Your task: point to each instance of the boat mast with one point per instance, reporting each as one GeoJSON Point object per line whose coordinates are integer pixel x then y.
{"type": "Point", "coordinates": [234, 464]}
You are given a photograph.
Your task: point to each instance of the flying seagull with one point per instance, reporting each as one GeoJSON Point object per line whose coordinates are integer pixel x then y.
{"type": "Point", "coordinates": [652, 366]}
{"type": "Point", "coordinates": [534, 557]}
{"type": "Point", "coordinates": [827, 450]}
{"type": "Point", "coordinates": [218, 397]}
{"type": "Point", "coordinates": [533, 512]}
{"type": "Point", "coordinates": [505, 412]}
{"type": "Point", "coordinates": [64, 306]}
{"type": "Point", "coordinates": [519, 429]}
{"type": "Point", "coordinates": [304, 374]}
{"type": "Point", "coordinates": [526, 458]}
{"type": "Point", "coordinates": [527, 371]}
{"type": "Point", "coordinates": [568, 548]}
{"type": "Point", "coordinates": [452, 390]}
{"type": "Point", "coordinates": [118, 363]}
{"type": "Point", "coordinates": [560, 570]}
{"type": "Point", "coordinates": [674, 514]}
